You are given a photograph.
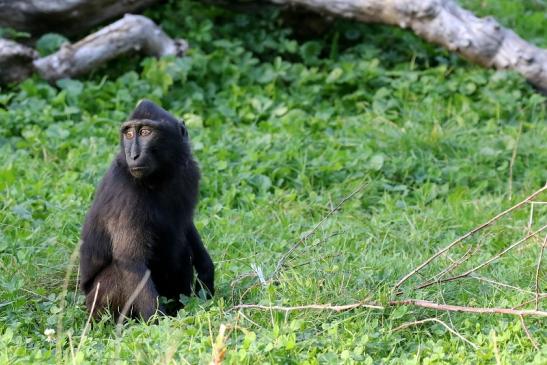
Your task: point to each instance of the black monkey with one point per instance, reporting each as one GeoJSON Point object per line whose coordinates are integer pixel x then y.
{"type": "Point", "coordinates": [141, 219]}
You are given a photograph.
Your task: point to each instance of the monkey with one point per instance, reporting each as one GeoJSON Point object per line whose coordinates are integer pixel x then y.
{"type": "Point", "coordinates": [138, 240]}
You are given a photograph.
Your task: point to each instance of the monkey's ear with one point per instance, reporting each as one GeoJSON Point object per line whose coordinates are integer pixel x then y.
{"type": "Point", "coordinates": [183, 129]}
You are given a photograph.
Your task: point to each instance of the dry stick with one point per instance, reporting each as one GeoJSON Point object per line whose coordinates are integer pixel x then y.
{"type": "Point", "coordinates": [87, 323]}
{"type": "Point", "coordinates": [459, 308]}
{"type": "Point", "coordinates": [408, 302]}
{"type": "Point", "coordinates": [284, 258]}
{"type": "Point", "coordinates": [538, 268]}
{"type": "Point", "coordinates": [473, 231]}
{"type": "Point", "coordinates": [450, 329]}
{"type": "Point", "coordinates": [130, 301]}
{"type": "Point", "coordinates": [487, 262]}
{"type": "Point", "coordinates": [335, 308]}
{"type": "Point", "coordinates": [530, 337]}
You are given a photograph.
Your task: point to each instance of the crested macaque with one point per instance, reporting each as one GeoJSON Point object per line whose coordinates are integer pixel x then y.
{"type": "Point", "coordinates": [139, 232]}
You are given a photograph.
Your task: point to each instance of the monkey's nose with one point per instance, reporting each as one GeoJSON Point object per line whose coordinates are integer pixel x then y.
{"type": "Point", "coordinates": [135, 157]}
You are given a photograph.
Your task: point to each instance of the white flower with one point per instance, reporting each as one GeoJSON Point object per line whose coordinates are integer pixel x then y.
{"type": "Point", "coordinates": [49, 333]}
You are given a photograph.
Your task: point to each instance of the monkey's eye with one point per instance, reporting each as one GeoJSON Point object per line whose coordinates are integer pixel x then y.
{"type": "Point", "coordinates": [145, 132]}
{"type": "Point", "coordinates": [129, 134]}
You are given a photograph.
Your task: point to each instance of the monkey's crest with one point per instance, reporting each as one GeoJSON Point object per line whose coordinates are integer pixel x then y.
{"type": "Point", "coordinates": [147, 109]}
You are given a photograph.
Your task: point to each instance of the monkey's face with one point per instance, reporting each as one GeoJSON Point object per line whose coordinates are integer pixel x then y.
{"type": "Point", "coordinates": [151, 146]}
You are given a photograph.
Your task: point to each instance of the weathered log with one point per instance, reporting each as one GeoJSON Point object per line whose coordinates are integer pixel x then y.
{"type": "Point", "coordinates": [15, 61]}
{"type": "Point", "coordinates": [66, 17]}
{"type": "Point", "coordinates": [131, 33]}
{"type": "Point", "coordinates": [482, 41]}
{"type": "Point", "coordinates": [444, 22]}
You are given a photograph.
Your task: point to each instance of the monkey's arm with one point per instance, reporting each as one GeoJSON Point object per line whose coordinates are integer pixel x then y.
{"type": "Point", "coordinates": [95, 255]}
{"type": "Point", "coordinates": [201, 261]}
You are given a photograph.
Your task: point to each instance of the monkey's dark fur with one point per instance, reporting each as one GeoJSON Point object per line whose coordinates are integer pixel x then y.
{"type": "Point", "coordinates": [142, 219]}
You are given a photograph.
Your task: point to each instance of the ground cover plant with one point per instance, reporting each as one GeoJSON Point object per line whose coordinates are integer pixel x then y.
{"type": "Point", "coordinates": [284, 129]}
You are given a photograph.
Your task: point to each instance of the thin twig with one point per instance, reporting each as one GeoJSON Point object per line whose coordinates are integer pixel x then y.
{"type": "Point", "coordinates": [219, 346]}
{"type": "Point", "coordinates": [451, 330]}
{"type": "Point", "coordinates": [530, 337]}
{"type": "Point", "coordinates": [71, 345]}
{"type": "Point", "coordinates": [315, 260]}
{"type": "Point", "coordinates": [451, 267]}
{"type": "Point", "coordinates": [329, 307]}
{"type": "Point", "coordinates": [487, 262]}
{"type": "Point", "coordinates": [470, 233]}
{"type": "Point", "coordinates": [531, 218]}
{"type": "Point", "coordinates": [285, 256]}
{"type": "Point", "coordinates": [524, 304]}
{"type": "Point", "coordinates": [512, 161]}
{"type": "Point", "coordinates": [498, 283]}
{"type": "Point", "coordinates": [538, 268]}
{"type": "Point", "coordinates": [496, 351]}
{"type": "Point", "coordinates": [64, 293]}
{"type": "Point", "coordinates": [130, 301]}
{"type": "Point", "coordinates": [88, 322]}
{"type": "Point", "coordinates": [459, 308]}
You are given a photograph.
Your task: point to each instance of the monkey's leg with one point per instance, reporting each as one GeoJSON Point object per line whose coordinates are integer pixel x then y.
{"type": "Point", "coordinates": [140, 295]}
{"type": "Point", "coordinates": [105, 293]}
{"type": "Point", "coordinates": [202, 262]}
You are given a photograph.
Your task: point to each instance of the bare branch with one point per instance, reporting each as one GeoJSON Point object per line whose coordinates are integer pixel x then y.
{"type": "Point", "coordinates": [281, 262]}
{"type": "Point", "coordinates": [470, 233]}
{"type": "Point", "coordinates": [394, 303]}
{"type": "Point", "coordinates": [495, 257]}
{"type": "Point", "coordinates": [458, 308]}
{"type": "Point", "coordinates": [329, 307]}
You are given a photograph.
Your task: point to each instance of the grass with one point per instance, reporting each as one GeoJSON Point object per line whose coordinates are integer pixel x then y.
{"type": "Point", "coordinates": [284, 129]}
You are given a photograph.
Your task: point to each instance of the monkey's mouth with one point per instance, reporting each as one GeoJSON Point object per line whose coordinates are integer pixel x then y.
{"type": "Point", "coordinates": [138, 171]}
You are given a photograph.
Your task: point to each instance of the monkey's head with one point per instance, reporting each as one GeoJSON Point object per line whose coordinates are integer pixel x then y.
{"type": "Point", "coordinates": [153, 141]}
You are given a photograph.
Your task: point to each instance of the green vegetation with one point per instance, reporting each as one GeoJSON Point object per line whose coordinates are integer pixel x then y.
{"type": "Point", "coordinates": [284, 129]}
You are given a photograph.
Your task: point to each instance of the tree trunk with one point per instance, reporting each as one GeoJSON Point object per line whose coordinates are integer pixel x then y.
{"type": "Point", "coordinates": [66, 17]}
{"type": "Point", "coordinates": [444, 22]}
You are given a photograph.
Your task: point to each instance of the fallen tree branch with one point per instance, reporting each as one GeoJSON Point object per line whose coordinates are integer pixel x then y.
{"type": "Point", "coordinates": [468, 234]}
{"type": "Point", "coordinates": [459, 308]}
{"type": "Point", "coordinates": [395, 303]}
{"type": "Point", "coordinates": [329, 307]}
{"type": "Point", "coordinates": [487, 262]}
{"type": "Point", "coordinates": [444, 22]}
{"type": "Point", "coordinates": [131, 33]}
